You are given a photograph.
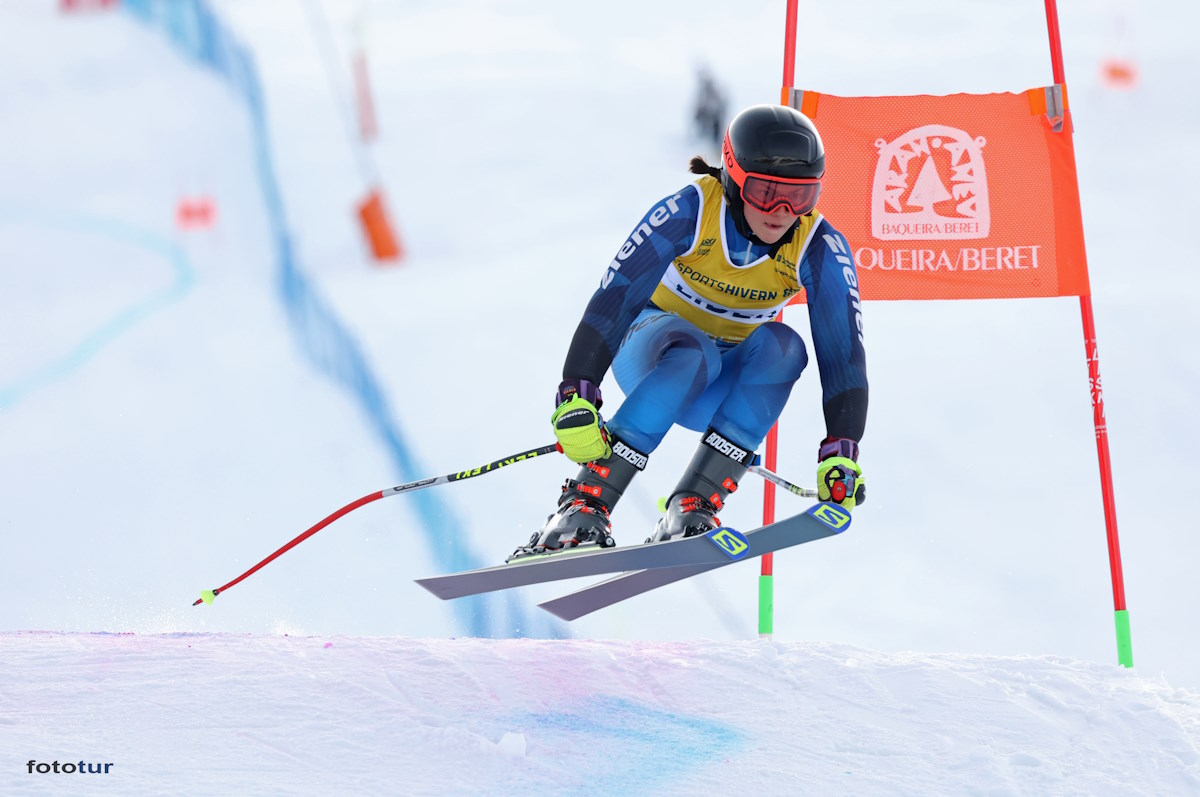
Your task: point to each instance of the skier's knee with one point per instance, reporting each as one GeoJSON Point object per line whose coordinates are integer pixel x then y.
{"type": "Point", "coordinates": [788, 348]}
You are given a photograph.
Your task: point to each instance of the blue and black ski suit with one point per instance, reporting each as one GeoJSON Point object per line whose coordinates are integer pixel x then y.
{"type": "Point", "coordinates": [681, 316]}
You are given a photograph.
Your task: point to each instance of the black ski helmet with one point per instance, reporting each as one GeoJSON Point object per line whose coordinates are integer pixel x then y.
{"type": "Point", "coordinates": [771, 140]}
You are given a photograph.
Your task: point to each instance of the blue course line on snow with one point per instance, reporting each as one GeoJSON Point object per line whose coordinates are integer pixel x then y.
{"type": "Point", "coordinates": [92, 343]}
{"type": "Point", "coordinates": [193, 28]}
{"type": "Point", "coordinates": [632, 748]}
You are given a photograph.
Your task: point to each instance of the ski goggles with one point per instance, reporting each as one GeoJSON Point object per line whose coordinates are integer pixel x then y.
{"type": "Point", "coordinates": [768, 194]}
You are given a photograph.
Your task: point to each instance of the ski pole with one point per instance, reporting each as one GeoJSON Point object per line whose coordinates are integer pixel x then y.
{"type": "Point", "coordinates": [208, 595]}
{"type": "Point", "coordinates": [779, 481]}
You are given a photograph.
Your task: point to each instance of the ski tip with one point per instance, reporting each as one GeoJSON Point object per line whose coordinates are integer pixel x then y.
{"type": "Point", "coordinates": [434, 586]}
{"type": "Point", "coordinates": [558, 612]}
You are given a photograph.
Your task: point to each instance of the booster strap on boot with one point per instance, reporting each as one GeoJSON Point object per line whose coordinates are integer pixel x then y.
{"type": "Point", "coordinates": [628, 453]}
{"type": "Point", "coordinates": [717, 442]}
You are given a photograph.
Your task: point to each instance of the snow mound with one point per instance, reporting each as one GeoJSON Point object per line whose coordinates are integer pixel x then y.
{"type": "Point", "coordinates": [199, 713]}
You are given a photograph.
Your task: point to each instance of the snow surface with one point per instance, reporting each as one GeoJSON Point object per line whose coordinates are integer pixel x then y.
{"type": "Point", "coordinates": [162, 427]}
{"type": "Point", "coordinates": [253, 714]}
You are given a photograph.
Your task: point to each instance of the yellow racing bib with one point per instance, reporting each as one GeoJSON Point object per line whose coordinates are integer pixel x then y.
{"type": "Point", "coordinates": [725, 300]}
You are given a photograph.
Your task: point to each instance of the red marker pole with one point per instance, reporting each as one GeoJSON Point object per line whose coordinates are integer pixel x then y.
{"type": "Point", "coordinates": [1124, 639]}
{"type": "Point", "coordinates": [766, 579]}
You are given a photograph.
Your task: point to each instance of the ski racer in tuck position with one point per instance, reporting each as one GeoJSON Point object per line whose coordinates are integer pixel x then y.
{"type": "Point", "coordinates": [681, 316]}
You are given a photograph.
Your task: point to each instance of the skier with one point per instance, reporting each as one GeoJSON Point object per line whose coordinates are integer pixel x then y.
{"type": "Point", "coordinates": [682, 317]}
{"type": "Point", "coordinates": [708, 115]}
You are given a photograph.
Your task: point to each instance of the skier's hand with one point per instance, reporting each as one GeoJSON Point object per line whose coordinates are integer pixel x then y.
{"type": "Point", "coordinates": [577, 423]}
{"type": "Point", "coordinates": [839, 478]}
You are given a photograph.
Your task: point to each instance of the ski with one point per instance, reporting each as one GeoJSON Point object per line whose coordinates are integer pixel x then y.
{"type": "Point", "coordinates": [617, 588]}
{"type": "Point", "coordinates": [718, 547]}
{"type": "Point", "coordinates": [812, 525]}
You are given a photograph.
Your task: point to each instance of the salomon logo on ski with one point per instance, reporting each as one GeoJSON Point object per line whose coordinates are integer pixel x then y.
{"type": "Point", "coordinates": [731, 542]}
{"type": "Point", "coordinates": [831, 516]}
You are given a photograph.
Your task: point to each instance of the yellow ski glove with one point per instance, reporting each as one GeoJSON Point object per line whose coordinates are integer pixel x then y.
{"type": "Point", "coordinates": [839, 478]}
{"type": "Point", "coordinates": [580, 430]}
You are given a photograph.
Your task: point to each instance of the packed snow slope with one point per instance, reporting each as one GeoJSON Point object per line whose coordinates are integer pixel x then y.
{"type": "Point", "coordinates": [196, 714]}
{"type": "Point", "coordinates": [169, 415]}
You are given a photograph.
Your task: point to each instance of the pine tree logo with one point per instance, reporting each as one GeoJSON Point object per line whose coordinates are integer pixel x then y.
{"type": "Point", "coordinates": [930, 184]}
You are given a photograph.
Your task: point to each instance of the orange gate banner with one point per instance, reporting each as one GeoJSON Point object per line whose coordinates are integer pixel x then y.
{"type": "Point", "coordinates": [965, 196]}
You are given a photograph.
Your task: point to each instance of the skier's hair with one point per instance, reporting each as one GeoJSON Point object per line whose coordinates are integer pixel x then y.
{"type": "Point", "coordinates": [700, 166]}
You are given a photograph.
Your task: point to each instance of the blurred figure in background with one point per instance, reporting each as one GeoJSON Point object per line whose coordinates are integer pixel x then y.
{"type": "Point", "coordinates": [682, 316]}
{"type": "Point", "coordinates": [708, 115]}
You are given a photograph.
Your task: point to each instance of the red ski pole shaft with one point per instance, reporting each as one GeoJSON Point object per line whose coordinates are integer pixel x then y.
{"type": "Point", "coordinates": [208, 595]}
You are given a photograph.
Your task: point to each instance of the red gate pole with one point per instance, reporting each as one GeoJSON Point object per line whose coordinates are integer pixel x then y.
{"type": "Point", "coordinates": [766, 586]}
{"type": "Point", "coordinates": [1124, 640]}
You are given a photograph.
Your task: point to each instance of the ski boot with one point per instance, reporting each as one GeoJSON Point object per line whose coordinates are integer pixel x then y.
{"type": "Point", "coordinates": [712, 475]}
{"type": "Point", "coordinates": [582, 517]}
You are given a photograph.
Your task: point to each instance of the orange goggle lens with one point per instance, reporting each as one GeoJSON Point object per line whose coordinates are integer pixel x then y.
{"type": "Point", "coordinates": [768, 194]}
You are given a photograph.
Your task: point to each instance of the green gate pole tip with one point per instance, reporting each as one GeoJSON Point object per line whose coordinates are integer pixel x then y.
{"type": "Point", "coordinates": [766, 606]}
{"type": "Point", "coordinates": [1124, 639]}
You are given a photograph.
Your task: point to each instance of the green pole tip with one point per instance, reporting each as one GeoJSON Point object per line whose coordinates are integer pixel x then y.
{"type": "Point", "coordinates": [766, 605]}
{"type": "Point", "coordinates": [207, 596]}
{"type": "Point", "coordinates": [662, 504]}
{"type": "Point", "coordinates": [1124, 639]}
